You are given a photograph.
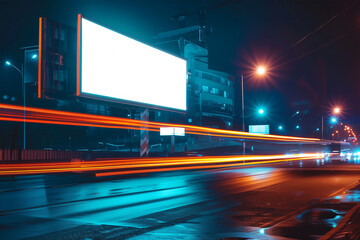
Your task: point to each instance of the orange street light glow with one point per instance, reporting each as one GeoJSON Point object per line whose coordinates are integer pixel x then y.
{"type": "Point", "coordinates": [260, 70]}
{"type": "Point", "coordinates": [336, 110]}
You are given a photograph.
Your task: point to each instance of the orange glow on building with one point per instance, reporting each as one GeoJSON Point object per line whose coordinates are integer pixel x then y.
{"type": "Point", "coordinates": [39, 63]}
{"type": "Point", "coordinates": [78, 55]}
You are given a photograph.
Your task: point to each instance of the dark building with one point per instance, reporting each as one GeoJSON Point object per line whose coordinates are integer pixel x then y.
{"type": "Point", "coordinates": [210, 92]}
{"type": "Point", "coordinates": [52, 85]}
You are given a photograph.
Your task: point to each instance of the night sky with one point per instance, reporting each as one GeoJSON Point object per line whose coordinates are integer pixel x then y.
{"type": "Point", "coordinates": [311, 75]}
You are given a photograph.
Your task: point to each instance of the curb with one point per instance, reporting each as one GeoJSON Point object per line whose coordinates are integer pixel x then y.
{"type": "Point", "coordinates": [342, 223]}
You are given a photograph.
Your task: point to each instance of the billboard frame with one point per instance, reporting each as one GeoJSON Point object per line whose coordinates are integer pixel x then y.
{"type": "Point", "coordinates": [112, 99]}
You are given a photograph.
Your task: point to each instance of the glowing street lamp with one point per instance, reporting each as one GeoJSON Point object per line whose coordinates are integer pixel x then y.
{"type": "Point", "coordinates": [296, 113]}
{"type": "Point", "coordinates": [21, 71]}
{"type": "Point", "coordinates": [261, 111]}
{"type": "Point", "coordinates": [261, 70]}
{"type": "Point", "coordinates": [336, 110]}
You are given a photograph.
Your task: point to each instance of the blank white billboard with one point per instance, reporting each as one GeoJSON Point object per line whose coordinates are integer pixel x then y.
{"type": "Point", "coordinates": [116, 66]}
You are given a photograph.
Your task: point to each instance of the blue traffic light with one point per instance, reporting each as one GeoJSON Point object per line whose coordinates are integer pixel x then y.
{"type": "Point", "coordinates": [333, 120]}
{"type": "Point", "coordinates": [280, 127]}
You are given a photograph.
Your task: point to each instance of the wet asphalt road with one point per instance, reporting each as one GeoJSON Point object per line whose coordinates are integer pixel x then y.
{"type": "Point", "coordinates": [234, 203]}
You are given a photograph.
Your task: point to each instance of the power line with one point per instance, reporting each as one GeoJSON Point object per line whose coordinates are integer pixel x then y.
{"type": "Point", "coordinates": [324, 24]}
{"type": "Point", "coordinates": [315, 49]}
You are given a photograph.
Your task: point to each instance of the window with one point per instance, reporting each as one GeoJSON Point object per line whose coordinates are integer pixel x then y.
{"type": "Point", "coordinates": [205, 88]}
{"type": "Point", "coordinates": [61, 75]}
{"type": "Point", "coordinates": [62, 34]}
{"type": "Point", "coordinates": [55, 75]}
{"type": "Point", "coordinates": [214, 91]}
{"type": "Point", "coordinates": [225, 95]}
{"type": "Point", "coordinates": [56, 32]}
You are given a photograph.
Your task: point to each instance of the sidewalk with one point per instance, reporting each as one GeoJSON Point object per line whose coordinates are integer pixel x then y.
{"type": "Point", "coordinates": [349, 226]}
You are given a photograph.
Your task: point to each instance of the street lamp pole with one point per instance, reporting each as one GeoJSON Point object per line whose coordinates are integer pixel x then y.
{"type": "Point", "coordinates": [21, 71]}
{"type": "Point", "coordinates": [322, 126]}
{"type": "Point", "coordinates": [259, 71]}
{"type": "Point", "coordinates": [130, 131]}
{"type": "Point", "coordinates": [200, 99]}
{"type": "Point", "coordinates": [336, 111]}
{"type": "Point", "coordinates": [23, 94]}
{"type": "Point", "coordinates": [24, 97]}
{"type": "Point", "coordinates": [243, 108]}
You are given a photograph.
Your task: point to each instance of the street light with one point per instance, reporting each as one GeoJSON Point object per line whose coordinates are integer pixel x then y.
{"type": "Point", "coordinates": [280, 127]}
{"type": "Point", "coordinates": [336, 110]}
{"type": "Point", "coordinates": [261, 70]}
{"type": "Point", "coordinates": [261, 111]}
{"type": "Point", "coordinates": [296, 113]}
{"type": "Point", "coordinates": [130, 131]}
{"type": "Point", "coordinates": [8, 63]}
{"type": "Point", "coordinates": [21, 72]}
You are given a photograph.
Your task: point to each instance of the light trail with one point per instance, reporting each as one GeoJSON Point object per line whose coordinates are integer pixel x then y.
{"type": "Point", "coordinates": [46, 116]}
{"type": "Point", "coordinates": [147, 165]}
{"type": "Point", "coordinates": [103, 174]}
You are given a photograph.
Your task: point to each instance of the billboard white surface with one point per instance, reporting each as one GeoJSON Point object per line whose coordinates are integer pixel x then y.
{"type": "Point", "coordinates": [260, 129]}
{"type": "Point", "coordinates": [116, 66]}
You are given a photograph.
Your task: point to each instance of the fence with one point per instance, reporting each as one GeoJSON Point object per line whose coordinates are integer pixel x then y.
{"type": "Point", "coordinates": [39, 155]}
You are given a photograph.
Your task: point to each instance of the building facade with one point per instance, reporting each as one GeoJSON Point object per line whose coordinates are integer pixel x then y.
{"type": "Point", "coordinates": [210, 92]}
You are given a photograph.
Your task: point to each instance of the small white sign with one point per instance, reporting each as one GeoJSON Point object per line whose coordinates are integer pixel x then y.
{"type": "Point", "coordinates": [172, 131]}
{"type": "Point", "coordinates": [179, 131]}
{"type": "Point", "coordinates": [259, 129]}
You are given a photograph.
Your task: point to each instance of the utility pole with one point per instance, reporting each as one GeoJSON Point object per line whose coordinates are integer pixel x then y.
{"type": "Point", "coordinates": [243, 109]}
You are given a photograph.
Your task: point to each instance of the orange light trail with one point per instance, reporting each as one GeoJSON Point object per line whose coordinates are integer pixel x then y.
{"type": "Point", "coordinates": [147, 165]}
{"type": "Point", "coordinates": [46, 116]}
{"type": "Point", "coordinates": [40, 60]}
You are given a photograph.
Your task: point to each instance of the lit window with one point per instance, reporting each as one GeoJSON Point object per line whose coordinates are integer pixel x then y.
{"type": "Point", "coordinates": [205, 88]}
